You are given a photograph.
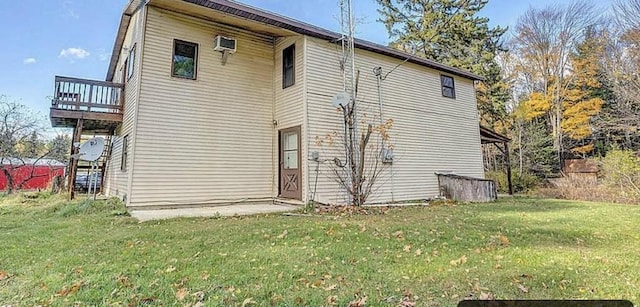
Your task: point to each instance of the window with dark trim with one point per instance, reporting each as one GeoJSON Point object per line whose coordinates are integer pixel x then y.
{"type": "Point", "coordinates": [448, 87]}
{"type": "Point", "coordinates": [131, 62]}
{"type": "Point", "coordinates": [288, 66]}
{"type": "Point", "coordinates": [125, 153]}
{"type": "Point", "coordinates": [185, 58]}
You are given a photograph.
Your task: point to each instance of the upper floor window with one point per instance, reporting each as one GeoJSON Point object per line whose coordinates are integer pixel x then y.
{"type": "Point", "coordinates": [185, 57]}
{"type": "Point", "coordinates": [288, 66]}
{"type": "Point", "coordinates": [131, 62]}
{"type": "Point", "coordinates": [448, 87]}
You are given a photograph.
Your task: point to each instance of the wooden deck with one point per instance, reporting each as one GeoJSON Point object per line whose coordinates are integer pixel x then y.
{"type": "Point", "coordinates": [98, 104]}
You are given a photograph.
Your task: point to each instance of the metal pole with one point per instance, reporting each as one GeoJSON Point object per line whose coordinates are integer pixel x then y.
{"type": "Point", "coordinates": [355, 145]}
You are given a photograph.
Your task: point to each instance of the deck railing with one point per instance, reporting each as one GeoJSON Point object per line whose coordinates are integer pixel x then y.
{"type": "Point", "coordinates": [74, 94]}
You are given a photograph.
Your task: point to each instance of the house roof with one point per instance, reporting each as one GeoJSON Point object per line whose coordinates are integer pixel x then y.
{"type": "Point", "coordinates": [488, 136]}
{"type": "Point", "coordinates": [31, 161]}
{"type": "Point", "coordinates": [261, 16]}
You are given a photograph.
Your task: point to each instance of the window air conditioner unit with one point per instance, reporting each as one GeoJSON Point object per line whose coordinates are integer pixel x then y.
{"type": "Point", "coordinates": [222, 44]}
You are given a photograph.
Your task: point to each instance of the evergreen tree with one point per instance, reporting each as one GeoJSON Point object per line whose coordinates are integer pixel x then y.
{"type": "Point", "coordinates": [452, 33]}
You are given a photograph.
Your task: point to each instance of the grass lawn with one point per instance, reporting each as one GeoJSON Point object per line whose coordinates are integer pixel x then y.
{"type": "Point", "coordinates": [55, 253]}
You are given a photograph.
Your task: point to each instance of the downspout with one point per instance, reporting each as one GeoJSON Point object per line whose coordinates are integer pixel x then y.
{"type": "Point", "coordinates": [275, 167]}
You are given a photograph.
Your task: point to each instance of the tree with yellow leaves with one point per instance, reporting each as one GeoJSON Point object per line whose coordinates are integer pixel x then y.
{"type": "Point", "coordinates": [583, 96]}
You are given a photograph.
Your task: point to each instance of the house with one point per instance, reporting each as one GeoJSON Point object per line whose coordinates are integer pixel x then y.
{"type": "Point", "coordinates": [191, 125]}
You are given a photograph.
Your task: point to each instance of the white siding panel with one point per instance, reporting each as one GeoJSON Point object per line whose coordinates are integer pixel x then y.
{"type": "Point", "coordinates": [116, 180]}
{"type": "Point", "coordinates": [431, 133]}
{"type": "Point", "coordinates": [209, 139]}
{"type": "Point", "coordinates": [289, 102]}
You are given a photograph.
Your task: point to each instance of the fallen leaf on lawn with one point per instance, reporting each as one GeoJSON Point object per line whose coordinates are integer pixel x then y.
{"type": "Point", "coordinates": [398, 234]}
{"type": "Point", "coordinates": [461, 260]}
{"type": "Point", "coordinates": [283, 234]}
{"type": "Point", "coordinates": [503, 239]}
{"type": "Point", "coordinates": [332, 287]}
{"type": "Point", "coordinates": [4, 275]}
{"type": "Point", "coordinates": [248, 302]}
{"type": "Point", "coordinates": [124, 281]}
{"type": "Point", "coordinates": [332, 300]}
{"type": "Point", "coordinates": [406, 303]}
{"type": "Point", "coordinates": [181, 293]}
{"type": "Point", "coordinates": [330, 232]}
{"type": "Point", "coordinates": [418, 252]}
{"type": "Point", "coordinates": [199, 296]}
{"type": "Point", "coordinates": [317, 283]}
{"type": "Point", "coordinates": [407, 248]}
{"type": "Point", "coordinates": [522, 288]}
{"type": "Point", "coordinates": [276, 299]}
{"type": "Point", "coordinates": [486, 296]}
{"type": "Point", "coordinates": [199, 304]}
{"type": "Point", "coordinates": [361, 302]}
{"type": "Point", "coordinates": [205, 276]}
{"type": "Point", "coordinates": [69, 291]}
{"type": "Point", "coordinates": [170, 269]}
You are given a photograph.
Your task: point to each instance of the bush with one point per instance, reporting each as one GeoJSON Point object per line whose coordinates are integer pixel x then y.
{"type": "Point", "coordinates": [620, 169]}
{"type": "Point", "coordinates": [521, 184]}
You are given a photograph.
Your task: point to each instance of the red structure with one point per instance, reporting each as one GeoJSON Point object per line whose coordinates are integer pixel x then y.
{"type": "Point", "coordinates": [32, 176]}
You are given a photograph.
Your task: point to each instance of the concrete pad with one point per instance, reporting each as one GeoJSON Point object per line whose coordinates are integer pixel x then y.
{"type": "Point", "coordinates": [232, 210]}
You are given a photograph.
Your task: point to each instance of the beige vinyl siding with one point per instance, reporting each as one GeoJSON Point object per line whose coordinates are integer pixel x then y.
{"type": "Point", "coordinates": [431, 133]}
{"type": "Point", "coordinates": [289, 102]}
{"type": "Point", "coordinates": [206, 140]}
{"type": "Point", "coordinates": [116, 180]}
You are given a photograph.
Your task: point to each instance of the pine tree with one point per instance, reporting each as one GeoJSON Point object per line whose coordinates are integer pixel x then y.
{"type": "Point", "coordinates": [452, 33]}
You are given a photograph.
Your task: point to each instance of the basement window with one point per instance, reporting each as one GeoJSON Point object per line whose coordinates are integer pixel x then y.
{"type": "Point", "coordinates": [448, 87]}
{"type": "Point", "coordinates": [125, 153]}
{"type": "Point", "coordinates": [185, 56]}
{"type": "Point", "coordinates": [288, 66]}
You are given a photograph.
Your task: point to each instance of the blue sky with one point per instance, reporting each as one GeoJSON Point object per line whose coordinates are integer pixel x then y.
{"type": "Point", "coordinates": [75, 37]}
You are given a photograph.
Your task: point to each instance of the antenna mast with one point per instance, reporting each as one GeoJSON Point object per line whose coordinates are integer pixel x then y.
{"type": "Point", "coordinates": [349, 78]}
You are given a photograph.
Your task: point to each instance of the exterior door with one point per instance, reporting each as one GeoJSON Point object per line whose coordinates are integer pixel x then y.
{"type": "Point", "coordinates": [290, 163]}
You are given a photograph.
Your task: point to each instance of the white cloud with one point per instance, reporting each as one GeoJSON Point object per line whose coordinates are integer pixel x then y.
{"type": "Point", "coordinates": [74, 53]}
{"type": "Point", "coordinates": [29, 61]}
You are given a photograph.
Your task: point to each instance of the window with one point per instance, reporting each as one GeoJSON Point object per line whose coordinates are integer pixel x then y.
{"type": "Point", "coordinates": [288, 66]}
{"type": "Point", "coordinates": [131, 62]}
{"type": "Point", "coordinates": [448, 88]}
{"type": "Point", "coordinates": [185, 56]}
{"type": "Point", "coordinates": [125, 153]}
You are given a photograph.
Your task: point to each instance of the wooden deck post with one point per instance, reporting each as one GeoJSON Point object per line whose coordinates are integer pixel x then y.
{"type": "Point", "coordinates": [73, 164]}
{"type": "Point", "coordinates": [508, 161]}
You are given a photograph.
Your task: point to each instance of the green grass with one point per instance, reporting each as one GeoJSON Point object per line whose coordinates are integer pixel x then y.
{"type": "Point", "coordinates": [58, 253]}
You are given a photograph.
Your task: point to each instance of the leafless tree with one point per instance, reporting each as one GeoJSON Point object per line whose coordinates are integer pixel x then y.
{"type": "Point", "coordinates": [620, 121]}
{"type": "Point", "coordinates": [544, 40]}
{"type": "Point", "coordinates": [359, 179]}
{"type": "Point", "coordinates": [20, 138]}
